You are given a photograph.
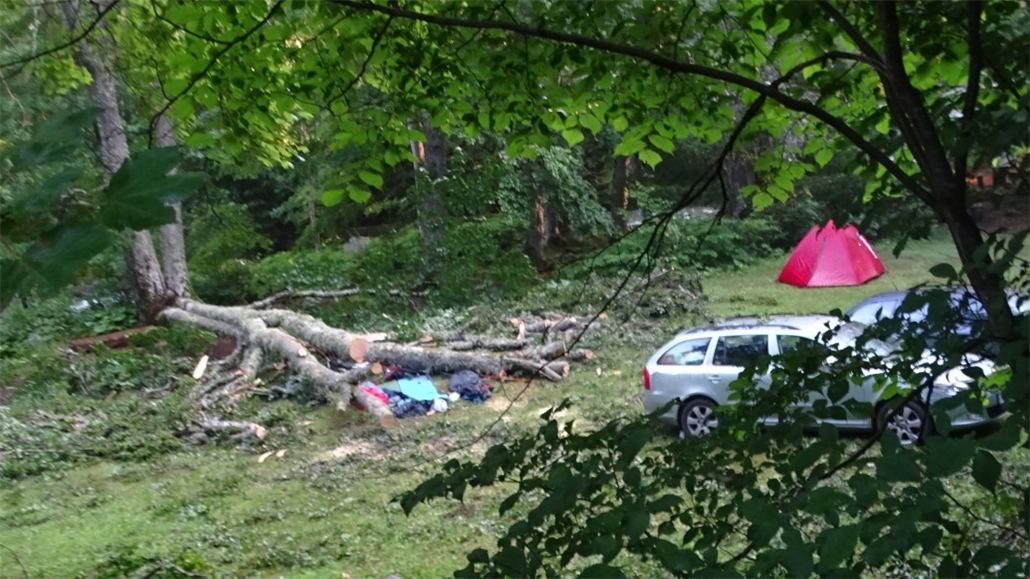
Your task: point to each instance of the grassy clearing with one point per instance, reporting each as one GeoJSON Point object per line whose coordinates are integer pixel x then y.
{"type": "Point", "coordinates": [756, 292]}
{"type": "Point", "coordinates": [325, 508]}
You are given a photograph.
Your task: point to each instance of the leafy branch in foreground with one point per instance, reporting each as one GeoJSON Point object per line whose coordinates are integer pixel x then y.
{"type": "Point", "coordinates": [51, 232]}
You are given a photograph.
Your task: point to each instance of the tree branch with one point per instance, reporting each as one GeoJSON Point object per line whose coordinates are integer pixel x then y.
{"type": "Point", "coordinates": [177, 26]}
{"type": "Point", "coordinates": [968, 511]}
{"type": "Point", "coordinates": [853, 33]}
{"type": "Point", "coordinates": [666, 63]}
{"type": "Point", "coordinates": [976, 63]}
{"type": "Point", "coordinates": [906, 103]}
{"type": "Point", "coordinates": [196, 77]}
{"type": "Point", "coordinates": [65, 45]}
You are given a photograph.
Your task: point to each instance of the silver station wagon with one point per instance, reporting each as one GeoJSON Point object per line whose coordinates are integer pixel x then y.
{"type": "Point", "coordinates": [696, 368]}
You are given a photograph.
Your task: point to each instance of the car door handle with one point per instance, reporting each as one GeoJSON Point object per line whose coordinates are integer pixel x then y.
{"type": "Point", "coordinates": [714, 378]}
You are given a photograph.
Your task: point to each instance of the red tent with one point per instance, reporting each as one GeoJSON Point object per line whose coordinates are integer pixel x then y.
{"type": "Point", "coordinates": [829, 256]}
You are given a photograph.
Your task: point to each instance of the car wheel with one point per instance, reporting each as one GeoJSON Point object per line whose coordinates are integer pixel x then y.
{"type": "Point", "coordinates": [906, 424]}
{"type": "Point", "coordinates": [698, 418]}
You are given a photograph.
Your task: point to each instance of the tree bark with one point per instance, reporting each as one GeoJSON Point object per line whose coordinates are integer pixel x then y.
{"type": "Point", "coordinates": [622, 167]}
{"type": "Point", "coordinates": [432, 159]}
{"type": "Point", "coordinates": [173, 245]}
{"type": "Point", "coordinates": [739, 173]}
{"type": "Point", "coordinates": [540, 231]}
{"type": "Point", "coordinates": [143, 264]}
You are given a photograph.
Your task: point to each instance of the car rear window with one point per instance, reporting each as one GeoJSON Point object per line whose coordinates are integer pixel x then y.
{"type": "Point", "coordinates": [688, 353]}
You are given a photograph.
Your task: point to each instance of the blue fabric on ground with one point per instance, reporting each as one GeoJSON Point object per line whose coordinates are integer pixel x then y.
{"type": "Point", "coordinates": [412, 408]}
{"type": "Point", "coordinates": [420, 388]}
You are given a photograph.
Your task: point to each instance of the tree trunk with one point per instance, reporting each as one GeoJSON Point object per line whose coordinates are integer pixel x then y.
{"type": "Point", "coordinates": [622, 167]}
{"type": "Point", "coordinates": [432, 158]}
{"type": "Point", "coordinates": [143, 264]}
{"type": "Point", "coordinates": [739, 173]}
{"type": "Point", "coordinates": [173, 245]}
{"type": "Point", "coordinates": [986, 284]}
{"type": "Point", "coordinates": [540, 231]}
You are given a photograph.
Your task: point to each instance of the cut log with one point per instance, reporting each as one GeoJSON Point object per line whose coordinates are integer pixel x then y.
{"type": "Point", "coordinates": [376, 408]}
{"type": "Point", "coordinates": [201, 367]}
{"type": "Point", "coordinates": [289, 336]}
{"type": "Point", "coordinates": [484, 343]}
{"type": "Point", "coordinates": [357, 349]}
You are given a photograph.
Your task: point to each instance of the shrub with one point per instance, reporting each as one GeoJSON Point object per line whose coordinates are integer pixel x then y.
{"type": "Point", "coordinates": [690, 243]}
{"type": "Point", "coordinates": [300, 270]}
{"type": "Point", "coordinates": [31, 450]}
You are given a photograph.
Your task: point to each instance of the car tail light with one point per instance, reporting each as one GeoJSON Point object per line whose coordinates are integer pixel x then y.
{"type": "Point", "coordinates": [647, 379]}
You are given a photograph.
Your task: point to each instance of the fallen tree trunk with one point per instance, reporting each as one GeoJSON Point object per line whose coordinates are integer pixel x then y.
{"type": "Point", "coordinates": [327, 294]}
{"type": "Point", "coordinates": [291, 336]}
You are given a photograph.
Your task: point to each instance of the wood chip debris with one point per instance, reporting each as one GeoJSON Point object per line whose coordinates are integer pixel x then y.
{"type": "Point", "coordinates": [201, 367]}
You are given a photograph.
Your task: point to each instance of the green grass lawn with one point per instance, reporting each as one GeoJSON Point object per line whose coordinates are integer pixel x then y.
{"type": "Point", "coordinates": [755, 290]}
{"type": "Point", "coordinates": [324, 508]}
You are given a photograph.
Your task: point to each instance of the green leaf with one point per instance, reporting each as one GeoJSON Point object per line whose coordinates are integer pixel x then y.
{"type": "Point", "coordinates": [898, 468]}
{"type": "Point", "coordinates": [54, 261]}
{"type": "Point", "coordinates": [43, 198]}
{"type": "Point", "coordinates": [824, 156]}
{"type": "Point", "coordinates": [836, 546]}
{"type": "Point", "coordinates": [572, 136]}
{"type": "Point", "coordinates": [371, 179]}
{"type": "Point", "coordinates": [332, 197]}
{"type": "Point", "coordinates": [637, 522]}
{"type": "Point", "coordinates": [590, 122]}
{"type": "Point", "coordinates": [359, 196]}
{"type": "Point", "coordinates": [662, 143]}
{"type": "Point", "coordinates": [139, 193]}
{"type": "Point", "coordinates": [200, 140]}
{"type": "Point", "coordinates": [1007, 436]}
{"type": "Point", "coordinates": [53, 140]}
{"type": "Point", "coordinates": [620, 124]}
{"type": "Point", "coordinates": [607, 547]}
{"type": "Point", "coordinates": [650, 157]}
{"type": "Point", "coordinates": [947, 456]}
{"type": "Point", "coordinates": [986, 470]}
{"type": "Point", "coordinates": [630, 446]}
{"type": "Point", "coordinates": [944, 270]}
{"type": "Point", "coordinates": [762, 200]}
{"type": "Point", "coordinates": [674, 558]}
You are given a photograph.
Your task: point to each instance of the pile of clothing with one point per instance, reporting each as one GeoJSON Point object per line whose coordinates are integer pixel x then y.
{"type": "Point", "coordinates": [418, 395]}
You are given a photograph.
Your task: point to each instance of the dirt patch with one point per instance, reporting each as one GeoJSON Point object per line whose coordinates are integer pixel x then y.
{"type": "Point", "coordinates": [360, 449]}
{"type": "Point", "coordinates": [498, 402]}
